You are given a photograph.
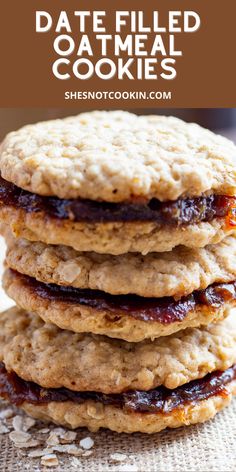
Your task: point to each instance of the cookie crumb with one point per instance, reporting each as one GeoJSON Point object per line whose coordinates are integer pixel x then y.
{"type": "Point", "coordinates": [50, 460]}
{"type": "Point", "coordinates": [87, 443]}
{"type": "Point", "coordinates": [58, 431]}
{"type": "Point", "coordinates": [19, 436]}
{"type": "Point", "coordinates": [71, 449]}
{"type": "Point", "coordinates": [40, 452]}
{"type": "Point", "coordinates": [21, 423]}
{"type": "Point", "coordinates": [76, 462]}
{"type": "Point", "coordinates": [118, 457]}
{"type": "Point", "coordinates": [17, 423]}
{"type": "Point", "coordinates": [27, 444]}
{"type": "Point", "coordinates": [6, 414]}
{"type": "Point", "coordinates": [87, 453]}
{"type": "Point", "coordinates": [52, 439]}
{"type": "Point", "coordinates": [3, 429]}
{"type": "Point", "coordinates": [44, 430]}
{"type": "Point", "coordinates": [28, 423]}
{"type": "Point", "coordinates": [67, 437]}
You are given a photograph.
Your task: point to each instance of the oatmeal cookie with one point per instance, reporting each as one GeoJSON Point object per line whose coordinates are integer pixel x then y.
{"type": "Point", "coordinates": [176, 273]}
{"type": "Point", "coordinates": [149, 412]}
{"type": "Point", "coordinates": [53, 358]}
{"type": "Point", "coordinates": [131, 318]}
{"type": "Point", "coordinates": [116, 156]}
{"type": "Point", "coordinates": [112, 238]}
{"type": "Point", "coordinates": [94, 416]}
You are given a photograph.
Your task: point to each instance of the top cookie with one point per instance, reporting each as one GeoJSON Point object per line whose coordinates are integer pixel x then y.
{"type": "Point", "coordinates": [117, 156]}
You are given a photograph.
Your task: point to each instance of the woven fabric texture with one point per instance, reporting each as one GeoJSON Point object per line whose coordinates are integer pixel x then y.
{"type": "Point", "coordinates": [202, 448]}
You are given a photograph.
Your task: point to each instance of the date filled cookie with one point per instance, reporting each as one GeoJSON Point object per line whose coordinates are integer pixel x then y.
{"type": "Point", "coordinates": [93, 381]}
{"type": "Point", "coordinates": [127, 317]}
{"type": "Point", "coordinates": [55, 358]}
{"type": "Point", "coordinates": [177, 273]}
{"type": "Point", "coordinates": [113, 182]}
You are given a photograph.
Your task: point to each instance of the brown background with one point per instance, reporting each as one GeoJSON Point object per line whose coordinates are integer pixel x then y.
{"type": "Point", "coordinates": [206, 72]}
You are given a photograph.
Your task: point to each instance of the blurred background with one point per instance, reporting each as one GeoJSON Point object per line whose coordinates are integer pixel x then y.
{"type": "Point", "coordinates": [222, 120]}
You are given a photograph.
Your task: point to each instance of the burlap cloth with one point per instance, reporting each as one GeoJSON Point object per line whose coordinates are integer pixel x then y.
{"type": "Point", "coordinates": [207, 447]}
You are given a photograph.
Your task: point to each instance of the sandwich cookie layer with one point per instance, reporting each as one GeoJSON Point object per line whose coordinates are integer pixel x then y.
{"type": "Point", "coordinates": [127, 317]}
{"type": "Point", "coordinates": [117, 156]}
{"type": "Point", "coordinates": [177, 273]}
{"type": "Point", "coordinates": [94, 227]}
{"type": "Point", "coordinates": [133, 411]}
{"type": "Point", "coordinates": [55, 358]}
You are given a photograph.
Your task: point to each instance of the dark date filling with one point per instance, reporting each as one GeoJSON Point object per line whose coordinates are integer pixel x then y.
{"type": "Point", "coordinates": [164, 310]}
{"type": "Point", "coordinates": [160, 399]}
{"type": "Point", "coordinates": [179, 212]}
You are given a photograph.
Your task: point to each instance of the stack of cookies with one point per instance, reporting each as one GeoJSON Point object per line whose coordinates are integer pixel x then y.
{"type": "Point", "coordinates": [121, 259]}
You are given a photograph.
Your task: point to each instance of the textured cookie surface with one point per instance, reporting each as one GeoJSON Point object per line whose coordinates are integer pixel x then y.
{"type": "Point", "coordinates": [94, 415]}
{"type": "Point", "coordinates": [54, 358]}
{"type": "Point", "coordinates": [116, 156]}
{"type": "Point", "coordinates": [116, 323]}
{"type": "Point", "coordinates": [175, 273]}
{"type": "Point", "coordinates": [112, 238]}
